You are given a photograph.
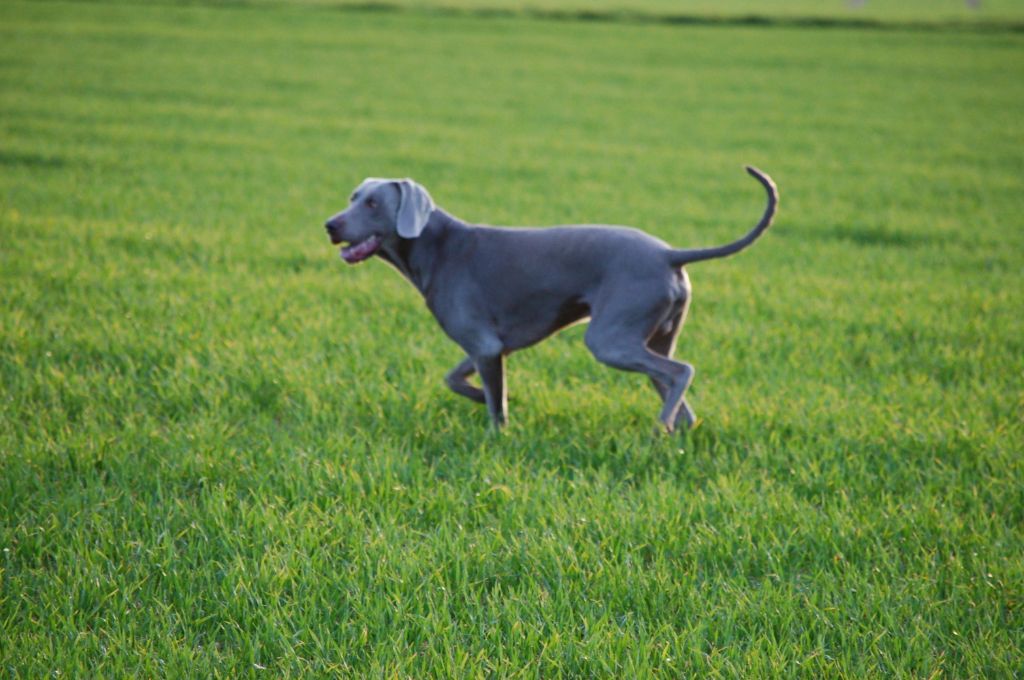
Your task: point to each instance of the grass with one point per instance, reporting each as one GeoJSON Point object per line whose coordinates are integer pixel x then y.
{"type": "Point", "coordinates": [223, 453]}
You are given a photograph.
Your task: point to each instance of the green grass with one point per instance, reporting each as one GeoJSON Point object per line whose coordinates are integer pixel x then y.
{"type": "Point", "coordinates": [224, 453]}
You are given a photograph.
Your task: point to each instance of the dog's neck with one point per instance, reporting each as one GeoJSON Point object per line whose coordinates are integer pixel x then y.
{"type": "Point", "coordinates": [415, 258]}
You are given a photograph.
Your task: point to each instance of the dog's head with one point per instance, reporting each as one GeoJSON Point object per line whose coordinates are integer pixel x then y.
{"type": "Point", "coordinates": [379, 211]}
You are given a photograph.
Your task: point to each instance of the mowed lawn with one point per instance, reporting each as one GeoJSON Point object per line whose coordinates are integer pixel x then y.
{"type": "Point", "coordinates": [224, 453]}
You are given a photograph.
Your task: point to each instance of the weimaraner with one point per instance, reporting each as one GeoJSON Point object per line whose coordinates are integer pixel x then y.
{"type": "Point", "coordinates": [495, 290]}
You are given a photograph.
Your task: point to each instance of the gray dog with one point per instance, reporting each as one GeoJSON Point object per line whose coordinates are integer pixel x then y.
{"type": "Point", "coordinates": [495, 290]}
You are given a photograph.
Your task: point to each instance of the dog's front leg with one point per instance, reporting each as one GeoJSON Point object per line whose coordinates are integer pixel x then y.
{"type": "Point", "coordinates": [456, 381]}
{"type": "Point", "coordinates": [492, 374]}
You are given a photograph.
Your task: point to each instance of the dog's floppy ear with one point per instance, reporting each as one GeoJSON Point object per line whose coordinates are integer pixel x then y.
{"type": "Point", "coordinates": [414, 208]}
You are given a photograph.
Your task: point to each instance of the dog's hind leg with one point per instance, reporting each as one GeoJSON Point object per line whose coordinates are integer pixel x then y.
{"type": "Point", "coordinates": [663, 342]}
{"type": "Point", "coordinates": [614, 340]}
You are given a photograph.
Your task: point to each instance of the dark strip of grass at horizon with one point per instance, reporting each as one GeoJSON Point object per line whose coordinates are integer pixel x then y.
{"type": "Point", "coordinates": [624, 16]}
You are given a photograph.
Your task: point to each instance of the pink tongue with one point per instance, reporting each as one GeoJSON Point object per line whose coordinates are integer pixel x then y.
{"type": "Point", "coordinates": [361, 250]}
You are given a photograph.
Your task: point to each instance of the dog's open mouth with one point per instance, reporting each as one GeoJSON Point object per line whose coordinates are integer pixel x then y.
{"type": "Point", "coordinates": [357, 252]}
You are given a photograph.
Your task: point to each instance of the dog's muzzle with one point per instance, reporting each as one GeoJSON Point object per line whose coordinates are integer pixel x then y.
{"type": "Point", "coordinates": [334, 231]}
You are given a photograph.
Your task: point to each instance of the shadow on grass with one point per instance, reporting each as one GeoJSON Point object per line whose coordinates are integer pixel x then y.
{"type": "Point", "coordinates": [872, 235]}
{"type": "Point", "coordinates": [629, 449]}
{"type": "Point", "coordinates": [16, 159]}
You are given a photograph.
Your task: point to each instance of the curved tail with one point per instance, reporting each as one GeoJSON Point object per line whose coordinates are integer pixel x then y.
{"type": "Point", "coordinates": [681, 257]}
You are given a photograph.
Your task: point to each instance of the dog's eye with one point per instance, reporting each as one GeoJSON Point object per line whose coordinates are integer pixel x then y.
{"type": "Point", "coordinates": [370, 203]}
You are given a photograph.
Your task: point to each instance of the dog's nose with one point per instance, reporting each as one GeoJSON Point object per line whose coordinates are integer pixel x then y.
{"type": "Point", "coordinates": [334, 228]}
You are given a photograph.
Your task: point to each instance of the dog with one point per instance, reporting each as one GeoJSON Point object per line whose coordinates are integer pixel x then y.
{"type": "Point", "coordinates": [495, 290]}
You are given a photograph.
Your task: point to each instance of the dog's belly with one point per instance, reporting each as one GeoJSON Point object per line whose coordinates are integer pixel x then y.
{"type": "Point", "coordinates": [534, 320]}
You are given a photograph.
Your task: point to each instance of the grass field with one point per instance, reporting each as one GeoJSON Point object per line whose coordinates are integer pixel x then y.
{"type": "Point", "coordinates": [223, 453]}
